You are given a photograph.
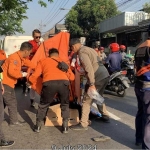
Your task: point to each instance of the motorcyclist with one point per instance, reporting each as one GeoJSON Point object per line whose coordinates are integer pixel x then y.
{"type": "Point", "coordinates": [114, 58]}
{"type": "Point", "coordinates": [102, 54]}
{"type": "Point", "coordinates": [122, 51]}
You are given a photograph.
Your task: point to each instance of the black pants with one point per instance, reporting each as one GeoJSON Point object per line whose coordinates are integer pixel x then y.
{"type": "Point", "coordinates": [24, 80]}
{"type": "Point", "coordinates": [11, 102]}
{"type": "Point", "coordinates": [142, 121]}
{"type": "Point", "coordinates": [50, 88]}
{"type": "Point", "coordinates": [1, 115]}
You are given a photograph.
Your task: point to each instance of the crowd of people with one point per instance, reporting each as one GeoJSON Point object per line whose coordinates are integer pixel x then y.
{"type": "Point", "coordinates": [56, 76]}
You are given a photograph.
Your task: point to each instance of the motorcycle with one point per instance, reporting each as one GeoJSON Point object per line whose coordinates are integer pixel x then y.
{"type": "Point", "coordinates": [118, 83]}
{"type": "Point", "coordinates": [127, 65]}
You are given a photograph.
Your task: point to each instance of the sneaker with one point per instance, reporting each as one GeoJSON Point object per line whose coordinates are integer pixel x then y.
{"type": "Point", "coordinates": [104, 118]}
{"type": "Point", "coordinates": [32, 103]}
{"type": "Point", "coordinates": [78, 127]}
{"type": "Point", "coordinates": [36, 128]}
{"type": "Point", "coordinates": [101, 138]}
{"type": "Point", "coordinates": [138, 143]}
{"type": "Point", "coordinates": [4, 143]}
{"type": "Point", "coordinates": [90, 122]}
{"type": "Point", "coordinates": [18, 123]}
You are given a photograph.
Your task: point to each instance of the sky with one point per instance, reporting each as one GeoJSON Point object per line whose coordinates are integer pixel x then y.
{"type": "Point", "coordinates": [46, 18]}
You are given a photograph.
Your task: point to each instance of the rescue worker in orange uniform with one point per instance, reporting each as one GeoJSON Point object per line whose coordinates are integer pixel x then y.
{"type": "Point", "coordinates": [3, 141]}
{"type": "Point", "coordinates": [55, 81]}
{"type": "Point", "coordinates": [12, 72]}
{"type": "Point", "coordinates": [2, 55]}
{"type": "Point", "coordinates": [35, 43]}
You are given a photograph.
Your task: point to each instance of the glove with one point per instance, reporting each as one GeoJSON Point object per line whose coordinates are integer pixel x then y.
{"type": "Point", "coordinates": [24, 74]}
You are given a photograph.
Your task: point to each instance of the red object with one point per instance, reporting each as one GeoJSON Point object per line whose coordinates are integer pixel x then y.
{"type": "Point", "coordinates": [114, 47]}
{"type": "Point", "coordinates": [122, 47]}
{"type": "Point", "coordinates": [34, 49]}
{"type": "Point", "coordinates": [124, 72]}
{"type": "Point", "coordinates": [70, 56]}
{"type": "Point", "coordinates": [101, 48]}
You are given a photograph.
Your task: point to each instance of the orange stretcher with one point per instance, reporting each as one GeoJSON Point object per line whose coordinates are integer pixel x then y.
{"type": "Point", "coordinates": [60, 42]}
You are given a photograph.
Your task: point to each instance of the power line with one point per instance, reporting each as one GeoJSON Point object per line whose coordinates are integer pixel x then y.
{"type": "Point", "coordinates": [119, 3]}
{"type": "Point", "coordinates": [57, 13]}
{"type": "Point", "coordinates": [50, 11]}
{"type": "Point", "coordinates": [55, 24]}
{"type": "Point", "coordinates": [125, 2]}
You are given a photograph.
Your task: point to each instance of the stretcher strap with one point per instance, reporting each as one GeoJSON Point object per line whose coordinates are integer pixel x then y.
{"type": "Point", "coordinates": [143, 70]}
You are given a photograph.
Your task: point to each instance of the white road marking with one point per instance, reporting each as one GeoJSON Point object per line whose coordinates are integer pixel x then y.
{"type": "Point", "coordinates": [110, 114]}
{"type": "Point", "coordinates": [113, 116]}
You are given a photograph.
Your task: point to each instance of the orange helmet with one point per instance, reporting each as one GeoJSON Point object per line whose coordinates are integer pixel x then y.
{"type": "Point", "coordinates": [114, 47]}
{"type": "Point", "coordinates": [101, 48]}
{"type": "Point", "coordinates": [122, 47]}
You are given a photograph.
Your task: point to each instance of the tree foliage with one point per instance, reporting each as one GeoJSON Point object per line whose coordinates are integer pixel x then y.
{"type": "Point", "coordinates": [146, 8]}
{"type": "Point", "coordinates": [84, 18]}
{"type": "Point", "coordinates": [12, 13]}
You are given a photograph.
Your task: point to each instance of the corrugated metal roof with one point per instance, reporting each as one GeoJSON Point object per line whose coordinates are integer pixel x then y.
{"type": "Point", "coordinates": [122, 22]}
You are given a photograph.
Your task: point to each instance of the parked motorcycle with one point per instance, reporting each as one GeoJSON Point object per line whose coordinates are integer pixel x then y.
{"type": "Point", "coordinates": [118, 83]}
{"type": "Point", "coordinates": [129, 66]}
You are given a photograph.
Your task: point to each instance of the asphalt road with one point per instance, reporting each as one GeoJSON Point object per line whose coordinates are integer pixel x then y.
{"type": "Point", "coordinates": [121, 128]}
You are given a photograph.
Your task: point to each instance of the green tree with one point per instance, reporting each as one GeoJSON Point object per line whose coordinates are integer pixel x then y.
{"type": "Point", "coordinates": [12, 13]}
{"type": "Point", "coordinates": [146, 8]}
{"type": "Point", "coordinates": [84, 18]}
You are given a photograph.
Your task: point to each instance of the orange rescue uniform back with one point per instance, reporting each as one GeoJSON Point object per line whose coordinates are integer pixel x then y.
{"type": "Point", "coordinates": [48, 68]}
{"type": "Point", "coordinates": [12, 68]}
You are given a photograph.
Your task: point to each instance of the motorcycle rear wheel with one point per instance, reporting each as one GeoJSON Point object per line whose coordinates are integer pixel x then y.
{"type": "Point", "coordinates": [121, 93]}
{"type": "Point", "coordinates": [132, 79]}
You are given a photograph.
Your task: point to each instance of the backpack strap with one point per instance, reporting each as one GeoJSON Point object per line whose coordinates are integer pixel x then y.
{"type": "Point", "coordinates": [55, 60]}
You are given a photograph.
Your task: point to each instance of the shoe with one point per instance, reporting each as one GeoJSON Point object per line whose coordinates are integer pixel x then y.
{"type": "Point", "coordinates": [65, 126]}
{"type": "Point", "coordinates": [32, 103]}
{"type": "Point", "coordinates": [90, 122]}
{"type": "Point", "coordinates": [36, 128]}
{"type": "Point", "coordinates": [138, 143]}
{"type": "Point", "coordinates": [101, 138]}
{"type": "Point", "coordinates": [104, 118]}
{"type": "Point", "coordinates": [18, 123]}
{"type": "Point", "coordinates": [78, 127]}
{"type": "Point", "coordinates": [4, 143]}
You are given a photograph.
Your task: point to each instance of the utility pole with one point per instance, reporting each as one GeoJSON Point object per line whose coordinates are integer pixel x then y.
{"type": "Point", "coordinates": [41, 25]}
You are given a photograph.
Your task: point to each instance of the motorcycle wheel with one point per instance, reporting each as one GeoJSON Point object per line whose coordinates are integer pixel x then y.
{"type": "Point", "coordinates": [121, 93]}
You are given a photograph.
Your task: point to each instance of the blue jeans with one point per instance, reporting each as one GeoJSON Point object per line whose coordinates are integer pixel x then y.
{"type": "Point", "coordinates": [142, 121]}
